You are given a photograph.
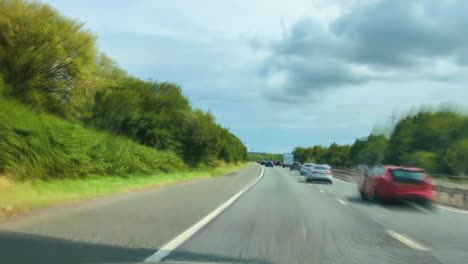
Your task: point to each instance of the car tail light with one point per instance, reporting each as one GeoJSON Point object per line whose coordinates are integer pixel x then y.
{"type": "Point", "coordinates": [429, 182]}
{"type": "Point", "coordinates": [329, 173]}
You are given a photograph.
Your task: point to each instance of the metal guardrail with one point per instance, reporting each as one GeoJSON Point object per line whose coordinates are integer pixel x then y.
{"type": "Point", "coordinates": [356, 172]}
{"type": "Point", "coordinates": [458, 177]}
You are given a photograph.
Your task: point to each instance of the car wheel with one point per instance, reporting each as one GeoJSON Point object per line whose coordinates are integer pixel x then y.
{"type": "Point", "coordinates": [376, 197]}
{"type": "Point", "coordinates": [371, 195]}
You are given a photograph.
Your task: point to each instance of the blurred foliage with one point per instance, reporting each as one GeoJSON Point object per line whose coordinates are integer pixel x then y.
{"type": "Point", "coordinates": [334, 154]}
{"type": "Point", "coordinates": [44, 56]}
{"type": "Point", "coordinates": [434, 140]}
{"type": "Point", "coordinates": [430, 161]}
{"type": "Point", "coordinates": [258, 156]}
{"type": "Point", "coordinates": [457, 157]}
{"type": "Point", "coordinates": [51, 64]}
{"type": "Point", "coordinates": [429, 131]}
{"type": "Point", "coordinates": [369, 151]}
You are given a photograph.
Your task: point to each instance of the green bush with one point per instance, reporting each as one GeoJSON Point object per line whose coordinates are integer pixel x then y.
{"type": "Point", "coordinates": [457, 157]}
{"type": "Point", "coordinates": [44, 56]}
{"type": "Point", "coordinates": [369, 151]}
{"type": "Point", "coordinates": [50, 63]}
{"type": "Point", "coordinates": [40, 146]}
{"type": "Point", "coordinates": [429, 161]}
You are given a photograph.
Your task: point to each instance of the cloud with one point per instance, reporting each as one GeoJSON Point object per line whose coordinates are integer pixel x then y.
{"type": "Point", "coordinates": [401, 32]}
{"type": "Point", "coordinates": [382, 40]}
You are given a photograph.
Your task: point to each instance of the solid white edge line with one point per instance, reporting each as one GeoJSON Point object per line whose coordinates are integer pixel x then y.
{"type": "Point", "coordinates": [341, 201]}
{"type": "Point", "coordinates": [174, 243]}
{"type": "Point", "coordinates": [452, 209]}
{"type": "Point", "coordinates": [408, 242]}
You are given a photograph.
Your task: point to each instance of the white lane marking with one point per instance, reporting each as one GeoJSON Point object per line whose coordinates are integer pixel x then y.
{"type": "Point", "coordinates": [451, 209]}
{"type": "Point", "coordinates": [170, 246]}
{"type": "Point", "coordinates": [407, 241]}
{"type": "Point", "coordinates": [336, 179]}
{"type": "Point", "coordinates": [322, 191]}
{"type": "Point", "coordinates": [341, 201]}
{"type": "Point", "coordinates": [418, 207]}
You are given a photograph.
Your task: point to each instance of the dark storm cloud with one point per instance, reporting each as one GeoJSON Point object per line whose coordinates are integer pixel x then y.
{"type": "Point", "coordinates": [401, 32]}
{"type": "Point", "coordinates": [392, 39]}
{"type": "Point", "coordinates": [304, 74]}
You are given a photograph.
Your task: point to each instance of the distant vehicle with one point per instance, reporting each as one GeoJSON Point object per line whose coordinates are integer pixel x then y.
{"type": "Point", "coordinates": [288, 159]}
{"type": "Point", "coordinates": [278, 163]}
{"type": "Point", "coordinates": [262, 162]}
{"type": "Point", "coordinates": [320, 173]}
{"type": "Point", "coordinates": [385, 183]}
{"type": "Point", "coordinates": [295, 166]}
{"type": "Point", "coordinates": [306, 167]}
{"type": "Point", "coordinates": [269, 164]}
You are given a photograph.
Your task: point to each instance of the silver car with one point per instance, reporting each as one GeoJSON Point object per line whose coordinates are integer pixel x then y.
{"type": "Point", "coordinates": [306, 168]}
{"type": "Point", "coordinates": [320, 173]}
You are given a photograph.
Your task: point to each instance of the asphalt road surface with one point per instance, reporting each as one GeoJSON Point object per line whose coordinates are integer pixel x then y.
{"type": "Point", "coordinates": [281, 219]}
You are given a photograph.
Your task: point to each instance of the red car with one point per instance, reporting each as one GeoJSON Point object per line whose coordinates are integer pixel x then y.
{"type": "Point", "coordinates": [392, 183]}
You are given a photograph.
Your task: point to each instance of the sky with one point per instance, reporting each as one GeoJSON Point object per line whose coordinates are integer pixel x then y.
{"type": "Point", "coordinates": [281, 74]}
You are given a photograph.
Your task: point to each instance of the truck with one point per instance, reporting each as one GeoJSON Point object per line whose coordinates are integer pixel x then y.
{"type": "Point", "coordinates": [288, 159]}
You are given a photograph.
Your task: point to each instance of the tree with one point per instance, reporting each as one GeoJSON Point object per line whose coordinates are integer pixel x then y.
{"type": "Point", "coordinates": [430, 161]}
{"type": "Point", "coordinates": [337, 155]}
{"type": "Point", "coordinates": [457, 157]}
{"type": "Point", "coordinates": [370, 151]}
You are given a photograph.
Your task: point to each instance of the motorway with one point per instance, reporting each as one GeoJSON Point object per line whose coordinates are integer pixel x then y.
{"type": "Point", "coordinates": [281, 219]}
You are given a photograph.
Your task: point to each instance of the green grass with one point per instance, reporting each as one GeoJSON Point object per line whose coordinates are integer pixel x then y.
{"type": "Point", "coordinates": [20, 196]}
{"type": "Point", "coordinates": [41, 146]}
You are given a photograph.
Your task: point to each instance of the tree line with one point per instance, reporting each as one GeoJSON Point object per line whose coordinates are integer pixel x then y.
{"type": "Point", "coordinates": [259, 156]}
{"type": "Point", "coordinates": [434, 140]}
{"type": "Point", "coordinates": [51, 63]}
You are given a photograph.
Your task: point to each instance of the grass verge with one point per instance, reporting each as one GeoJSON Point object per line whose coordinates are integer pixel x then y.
{"type": "Point", "coordinates": [20, 196]}
{"type": "Point", "coordinates": [39, 146]}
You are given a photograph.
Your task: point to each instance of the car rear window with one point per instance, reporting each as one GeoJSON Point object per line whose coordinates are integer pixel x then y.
{"type": "Point", "coordinates": [320, 168]}
{"type": "Point", "coordinates": [308, 165]}
{"type": "Point", "coordinates": [401, 175]}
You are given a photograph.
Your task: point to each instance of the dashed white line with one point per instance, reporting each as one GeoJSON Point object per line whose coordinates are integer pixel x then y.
{"type": "Point", "coordinates": [322, 191]}
{"type": "Point", "coordinates": [407, 241]}
{"type": "Point", "coordinates": [451, 209]}
{"type": "Point", "coordinates": [170, 246]}
{"type": "Point", "coordinates": [341, 201]}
